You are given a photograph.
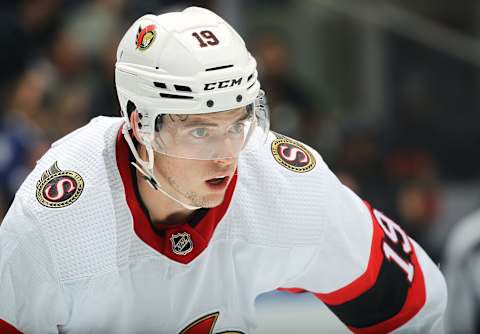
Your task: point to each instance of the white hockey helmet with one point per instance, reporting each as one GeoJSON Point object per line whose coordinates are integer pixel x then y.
{"type": "Point", "coordinates": [186, 63]}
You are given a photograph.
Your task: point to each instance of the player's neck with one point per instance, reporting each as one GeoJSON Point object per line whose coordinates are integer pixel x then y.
{"type": "Point", "coordinates": [161, 209]}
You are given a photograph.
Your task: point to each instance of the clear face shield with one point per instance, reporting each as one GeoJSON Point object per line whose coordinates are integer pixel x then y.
{"type": "Point", "coordinates": [218, 135]}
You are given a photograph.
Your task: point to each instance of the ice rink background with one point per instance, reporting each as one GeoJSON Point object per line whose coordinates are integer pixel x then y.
{"type": "Point", "coordinates": [283, 312]}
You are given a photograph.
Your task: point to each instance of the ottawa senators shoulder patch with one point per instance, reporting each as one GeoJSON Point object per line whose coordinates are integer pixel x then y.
{"type": "Point", "coordinates": [57, 188]}
{"type": "Point", "coordinates": [292, 155]}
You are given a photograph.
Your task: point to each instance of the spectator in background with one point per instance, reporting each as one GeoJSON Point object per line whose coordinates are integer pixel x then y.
{"type": "Point", "coordinates": [24, 25]}
{"type": "Point", "coordinates": [403, 181]}
{"type": "Point", "coordinates": [81, 56]}
{"type": "Point", "coordinates": [462, 270]}
{"type": "Point", "coordinates": [43, 104]}
{"type": "Point", "coordinates": [418, 199]}
{"type": "Point", "coordinates": [71, 107]}
{"type": "Point", "coordinates": [418, 204]}
{"type": "Point", "coordinates": [23, 130]}
{"type": "Point", "coordinates": [104, 100]}
{"type": "Point", "coordinates": [292, 109]}
{"type": "Point", "coordinates": [359, 162]}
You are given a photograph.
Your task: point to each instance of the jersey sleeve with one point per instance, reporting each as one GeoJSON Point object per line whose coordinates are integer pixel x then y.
{"type": "Point", "coordinates": [369, 273]}
{"type": "Point", "coordinates": [31, 299]}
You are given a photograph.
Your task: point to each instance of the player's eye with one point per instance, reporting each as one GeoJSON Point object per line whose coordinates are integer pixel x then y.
{"type": "Point", "coordinates": [199, 133]}
{"type": "Point", "coordinates": [237, 128]}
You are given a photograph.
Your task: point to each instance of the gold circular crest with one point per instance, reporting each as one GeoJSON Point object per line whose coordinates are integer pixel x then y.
{"type": "Point", "coordinates": [293, 155]}
{"type": "Point", "coordinates": [59, 189]}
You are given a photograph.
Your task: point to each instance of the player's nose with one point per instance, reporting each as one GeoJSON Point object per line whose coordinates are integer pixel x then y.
{"type": "Point", "coordinates": [224, 161]}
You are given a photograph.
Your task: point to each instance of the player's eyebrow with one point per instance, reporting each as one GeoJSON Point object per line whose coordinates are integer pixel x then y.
{"type": "Point", "coordinates": [199, 123]}
{"type": "Point", "coordinates": [207, 122]}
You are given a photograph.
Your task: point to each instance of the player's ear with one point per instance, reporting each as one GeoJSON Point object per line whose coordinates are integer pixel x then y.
{"type": "Point", "coordinates": [134, 120]}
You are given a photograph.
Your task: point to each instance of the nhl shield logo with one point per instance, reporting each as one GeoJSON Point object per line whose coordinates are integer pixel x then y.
{"type": "Point", "coordinates": [181, 243]}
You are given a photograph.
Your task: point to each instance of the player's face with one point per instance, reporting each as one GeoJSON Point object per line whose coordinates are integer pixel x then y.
{"type": "Point", "coordinates": [202, 182]}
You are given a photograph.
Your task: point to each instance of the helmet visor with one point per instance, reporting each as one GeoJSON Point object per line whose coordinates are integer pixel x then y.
{"type": "Point", "coordinates": [210, 136]}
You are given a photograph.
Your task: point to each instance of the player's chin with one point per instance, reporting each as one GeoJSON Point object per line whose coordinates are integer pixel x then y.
{"type": "Point", "coordinates": [213, 200]}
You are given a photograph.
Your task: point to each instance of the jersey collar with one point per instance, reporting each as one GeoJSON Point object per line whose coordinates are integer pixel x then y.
{"type": "Point", "coordinates": [180, 243]}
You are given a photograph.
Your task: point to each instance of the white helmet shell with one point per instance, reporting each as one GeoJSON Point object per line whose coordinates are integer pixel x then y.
{"type": "Point", "coordinates": [188, 62]}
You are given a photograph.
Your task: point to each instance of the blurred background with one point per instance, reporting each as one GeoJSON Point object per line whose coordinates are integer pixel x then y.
{"type": "Point", "coordinates": [385, 90]}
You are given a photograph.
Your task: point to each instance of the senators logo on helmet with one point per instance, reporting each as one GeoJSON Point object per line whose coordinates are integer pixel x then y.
{"type": "Point", "coordinates": [145, 36]}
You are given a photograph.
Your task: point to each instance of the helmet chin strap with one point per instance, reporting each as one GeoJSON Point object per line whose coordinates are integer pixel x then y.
{"type": "Point", "coordinates": [146, 168]}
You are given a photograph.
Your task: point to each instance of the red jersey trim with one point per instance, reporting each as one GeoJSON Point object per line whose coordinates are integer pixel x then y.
{"type": "Point", "coordinates": [6, 328]}
{"type": "Point", "coordinates": [415, 298]}
{"type": "Point", "coordinates": [200, 235]}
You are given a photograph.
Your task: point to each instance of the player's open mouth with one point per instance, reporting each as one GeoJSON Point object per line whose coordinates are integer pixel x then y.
{"type": "Point", "coordinates": [217, 182]}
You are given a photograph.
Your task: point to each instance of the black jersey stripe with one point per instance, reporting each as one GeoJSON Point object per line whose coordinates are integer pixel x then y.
{"type": "Point", "coordinates": [381, 302]}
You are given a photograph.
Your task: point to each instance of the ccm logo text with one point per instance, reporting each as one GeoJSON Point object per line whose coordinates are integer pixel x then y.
{"type": "Point", "coordinates": [222, 84]}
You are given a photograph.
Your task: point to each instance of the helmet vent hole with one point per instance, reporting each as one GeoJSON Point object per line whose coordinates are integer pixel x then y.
{"type": "Point", "coordinates": [250, 77]}
{"type": "Point", "coordinates": [239, 98]}
{"type": "Point", "coordinates": [160, 85]}
{"type": "Point", "coordinates": [218, 68]}
{"type": "Point", "coordinates": [173, 96]}
{"type": "Point", "coordinates": [210, 103]}
{"type": "Point", "coordinates": [181, 88]}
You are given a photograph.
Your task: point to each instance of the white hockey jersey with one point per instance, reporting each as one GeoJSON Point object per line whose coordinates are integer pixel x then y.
{"type": "Point", "coordinates": [79, 255]}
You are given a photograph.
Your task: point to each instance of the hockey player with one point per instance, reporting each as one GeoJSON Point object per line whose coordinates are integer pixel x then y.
{"type": "Point", "coordinates": [175, 217]}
